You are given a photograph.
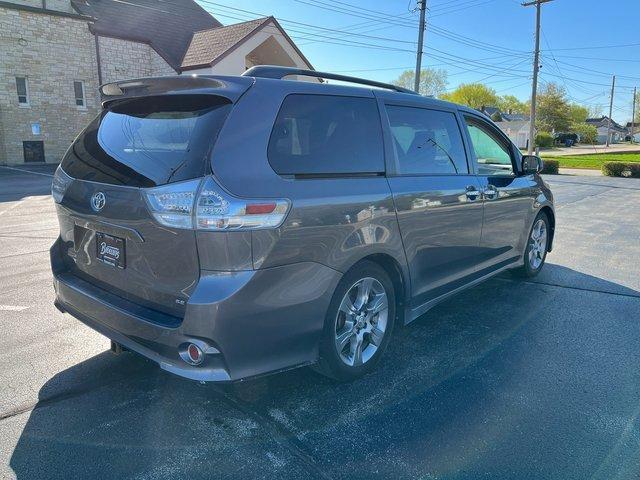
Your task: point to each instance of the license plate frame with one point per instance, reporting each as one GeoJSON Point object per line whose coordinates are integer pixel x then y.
{"type": "Point", "coordinates": [111, 250]}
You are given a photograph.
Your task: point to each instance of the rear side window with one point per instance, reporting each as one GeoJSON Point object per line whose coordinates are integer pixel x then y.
{"type": "Point", "coordinates": [325, 134]}
{"type": "Point", "coordinates": [426, 141]}
{"type": "Point", "coordinates": [148, 141]}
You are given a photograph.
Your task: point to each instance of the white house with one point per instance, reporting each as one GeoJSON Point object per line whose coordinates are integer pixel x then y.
{"type": "Point", "coordinates": [517, 131]}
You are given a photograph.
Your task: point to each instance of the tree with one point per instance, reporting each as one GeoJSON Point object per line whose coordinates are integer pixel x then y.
{"type": "Point", "coordinates": [432, 81]}
{"type": "Point", "coordinates": [511, 104]}
{"type": "Point", "coordinates": [578, 113]}
{"type": "Point", "coordinates": [588, 133]}
{"type": "Point", "coordinates": [553, 110]}
{"type": "Point", "coordinates": [595, 111]}
{"type": "Point", "coordinates": [474, 95]}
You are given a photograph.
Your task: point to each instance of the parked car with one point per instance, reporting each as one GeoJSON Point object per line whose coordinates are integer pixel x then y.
{"type": "Point", "coordinates": [226, 227]}
{"type": "Point", "coordinates": [567, 139]}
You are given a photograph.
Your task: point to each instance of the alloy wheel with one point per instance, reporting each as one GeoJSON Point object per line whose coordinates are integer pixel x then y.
{"type": "Point", "coordinates": [537, 244]}
{"type": "Point", "coordinates": [361, 322]}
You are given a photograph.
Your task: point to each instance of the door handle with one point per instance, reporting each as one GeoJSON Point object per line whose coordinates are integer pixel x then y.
{"type": "Point", "coordinates": [472, 193]}
{"type": "Point", "coordinates": [490, 192]}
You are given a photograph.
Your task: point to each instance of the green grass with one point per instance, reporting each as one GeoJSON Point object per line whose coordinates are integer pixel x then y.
{"type": "Point", "coordinates": [592, 161]}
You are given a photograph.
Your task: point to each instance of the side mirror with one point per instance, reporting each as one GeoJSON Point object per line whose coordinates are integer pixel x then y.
{"type": "Point", "coordinates": [531, 164]}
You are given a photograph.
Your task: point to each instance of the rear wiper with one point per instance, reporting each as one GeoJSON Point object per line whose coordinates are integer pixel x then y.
{"type": "Point", "coordinates": [180, 165]}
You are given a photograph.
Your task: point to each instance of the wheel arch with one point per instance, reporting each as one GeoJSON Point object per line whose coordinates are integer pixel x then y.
{"type": "Point", "coordinates": [399, 278]}
{"type": "Point", "coordinates": [552, 224]}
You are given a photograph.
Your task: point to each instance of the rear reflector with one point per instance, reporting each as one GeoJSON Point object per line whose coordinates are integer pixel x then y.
{"type": "Point", "coordinates": [258, 208]}
{"type": "Point", "coordinates": [194, 354]}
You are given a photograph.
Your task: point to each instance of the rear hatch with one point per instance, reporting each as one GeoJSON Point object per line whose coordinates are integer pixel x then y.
{"type": "Point", "coordinates": [143, 139]}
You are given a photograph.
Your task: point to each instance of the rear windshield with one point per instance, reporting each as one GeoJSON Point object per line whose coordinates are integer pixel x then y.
{"type": "Point", "coordinates": [326, 134]}
{"type": "Point", "coordinates": [149, 141]}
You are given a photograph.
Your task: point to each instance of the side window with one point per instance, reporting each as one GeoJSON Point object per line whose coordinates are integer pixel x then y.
{"type": "Point", "coordinates": [326, 134]}
{"type": "Point", "coordinates": [78, 90]}
{"type": "Point", "coordinates": [23, 91]}
{"type": "Point", "coordinates": [426, 141]}
{"type": "Point", "coordinates": [492, 153]}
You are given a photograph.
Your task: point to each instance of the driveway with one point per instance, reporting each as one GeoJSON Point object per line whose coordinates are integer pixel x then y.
{"type": "Point", "coordinates": [507, 380]}
{"type": "Point", "coordinates": [582, 149]}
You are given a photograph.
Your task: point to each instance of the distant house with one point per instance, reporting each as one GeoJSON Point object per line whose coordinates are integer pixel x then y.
{"type": "Point", "coordinates": [617, 132]}
{"type": "Point", "coordinates": [517, 131]}
{"type": "Point", "coordinates": [504, 116]}
{"type": "Point", "coordinates": [55, 53]}
{"type": "Point", "coordinates": [636, 131]}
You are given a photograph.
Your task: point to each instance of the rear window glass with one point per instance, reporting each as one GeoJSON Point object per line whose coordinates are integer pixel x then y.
{"type": "Point", "coordinates": [149, 141]}
{"type": "Point", "coordinates": [325, 134]}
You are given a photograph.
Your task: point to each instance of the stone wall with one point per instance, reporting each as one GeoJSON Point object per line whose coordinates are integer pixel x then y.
{"type": "Point", "coordinates": [123, 59]}
{"type": "Point", "coordinates": [52, 52]}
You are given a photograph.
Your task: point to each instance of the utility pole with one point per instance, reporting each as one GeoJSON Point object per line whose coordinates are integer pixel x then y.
{"type": "Point", "coordinates": [422, 5]}
{"type": "Point", "coordinates": [536, 68]}
{"type": "Point", "coordinates": [613, 89]}
{"type": "Point", "coordinates": [633, 113]}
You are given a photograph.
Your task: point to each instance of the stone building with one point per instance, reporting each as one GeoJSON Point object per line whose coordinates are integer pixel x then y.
{"type": "Point", "coordinates": [55, 53]}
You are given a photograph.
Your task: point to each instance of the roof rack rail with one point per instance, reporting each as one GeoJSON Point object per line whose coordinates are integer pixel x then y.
{"type": "Point", "coordinates": [273, 71]}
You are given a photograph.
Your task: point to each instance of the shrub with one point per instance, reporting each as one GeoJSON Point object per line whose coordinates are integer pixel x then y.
{"type": "Point", "coordinates": [621, 169]}
{"type": "Point", "coordinates": [550, 166]}
{"type": "Point", "coordinates": [588, 133]}
{"type": "Point", "coordinates": [544, 139]}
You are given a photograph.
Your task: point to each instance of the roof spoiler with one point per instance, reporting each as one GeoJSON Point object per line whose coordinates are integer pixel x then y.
{"type": "Point", "coordinates": [228, 87]}
{"type": "Point", "coordinates": [273, 71]}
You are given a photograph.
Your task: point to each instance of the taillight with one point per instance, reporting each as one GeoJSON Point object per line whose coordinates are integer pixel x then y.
{"type": "Point", "coordinates": [217, 210]}
{"type": "Point", "coordinates": [173, 205]}
{"type": "Point", "coordinates": [59, 185]}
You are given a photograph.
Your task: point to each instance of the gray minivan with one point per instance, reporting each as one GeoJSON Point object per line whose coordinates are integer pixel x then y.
{"type": "Point", "coordinates": [227, 227]}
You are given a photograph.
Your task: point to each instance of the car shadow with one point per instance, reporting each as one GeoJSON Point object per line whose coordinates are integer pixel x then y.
{"type": "Point", "coordinates": [19, 182]}
{"type": "Point", "coordinates": [452, 391]}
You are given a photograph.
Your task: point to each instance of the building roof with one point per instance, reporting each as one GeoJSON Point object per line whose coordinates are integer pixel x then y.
{"type": "Point", "coordinates": [509, 117]}
{"type": "Point", "coordinates": [513, 125]}
{"type": "Point", "coordinates": [210, 46]}
{"type": "Point", "coordinates": [603, 121]}
{"type": "Point", "coordinates": [167, 26]}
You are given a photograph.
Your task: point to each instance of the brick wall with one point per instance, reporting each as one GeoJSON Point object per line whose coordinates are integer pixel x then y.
{"type": "Point", "coordinates": [122, 59]}
{"type": "Point", "coordinates": [52, 52]}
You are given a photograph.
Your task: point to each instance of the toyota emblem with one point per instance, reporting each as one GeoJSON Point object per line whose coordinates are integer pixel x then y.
{"type": "Point", "coordinates": [97, 201]}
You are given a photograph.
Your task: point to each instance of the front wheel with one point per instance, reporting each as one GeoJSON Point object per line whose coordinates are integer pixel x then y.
{"type": "Point", "coordinates": [358, 323]}
{"type": "Point", "coordinates": [537, 246]}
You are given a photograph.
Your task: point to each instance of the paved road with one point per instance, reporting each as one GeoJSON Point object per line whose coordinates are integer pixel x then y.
{"type": "Point", "coordinates": [508, 380]}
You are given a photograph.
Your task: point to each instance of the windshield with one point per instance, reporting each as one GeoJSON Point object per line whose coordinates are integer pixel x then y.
{"type": "Point", "coordinates": [149, 141]}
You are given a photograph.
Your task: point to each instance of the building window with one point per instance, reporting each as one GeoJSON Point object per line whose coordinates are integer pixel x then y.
{"type": "Point", "coordinates": [23, 91]}
{"type": "Point", "coordinates": [78, 89]}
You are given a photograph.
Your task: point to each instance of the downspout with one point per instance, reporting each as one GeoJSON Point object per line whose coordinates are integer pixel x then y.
{"type": "Point", "coordinates": [98, 58]}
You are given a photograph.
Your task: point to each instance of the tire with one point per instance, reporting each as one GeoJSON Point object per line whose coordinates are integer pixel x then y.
{"type": "Point", "coordinates": [370, 330]}
{"type": "Point", "coordinates": [529, 267]}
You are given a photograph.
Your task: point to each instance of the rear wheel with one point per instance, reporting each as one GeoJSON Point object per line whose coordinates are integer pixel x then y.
{"type": "Point", "coordinates": [358, 324]}
{"type": "Point", "coordinates": [537, 245]}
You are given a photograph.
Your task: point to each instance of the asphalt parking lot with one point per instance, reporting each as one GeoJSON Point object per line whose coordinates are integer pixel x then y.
{"type": "Point", "coordinates": [508, 380]}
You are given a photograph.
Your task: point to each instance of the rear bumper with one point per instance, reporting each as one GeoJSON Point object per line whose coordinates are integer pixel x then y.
{"type": "Point", "coordinates": [248, 323]}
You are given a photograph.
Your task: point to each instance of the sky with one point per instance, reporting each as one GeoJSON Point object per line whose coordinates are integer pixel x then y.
{"type": "Point", "coordinates": [583, 42]}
